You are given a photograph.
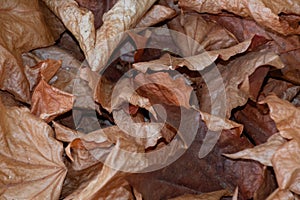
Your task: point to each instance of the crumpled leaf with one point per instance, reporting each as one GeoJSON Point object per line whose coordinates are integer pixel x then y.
{"type": "Point", "coordinates": [286, 164]}
{"type": "Point", "coordinates": [45, 69]}
{"type": "Point", "coordinates": [112, 95]}
{"type": "Point", "coordinates": [19, 38]}
{"type": "Point", "coordinates": [280, 88]}
{"type": "Point", "coordinates": [49, 102]}
{"type": "Point", "coordinates": [24, 152]}
{"type": "Point", "coordinates": [281, 195]}
{"type": "Point", "coordinates": [12, 77]}
{"type": "Point", "coordinates": [285, 115]}
{"type": "Point", "coordinates": [262, 153]}
{"type": "Point", "coordinates": [194, 63]}
{"type": "Point", "coordinates": [235, 77]}
{"type": "Point", "coordinates": [262, 11]}
{"type": "Point", "coordinates": [195, 34]}
{"type": "Point", "coordinates": [156, 14]}
{"type": "Point", "coordinates": [160, 88]}
{"type": "Point", "coordinates": [107, 37]}
{"type": "Point", "coordinates": [217, 195]}
{"type": "Point", "coordinates": [257, 122]}
{"type": "Point", "coordinates": [64, 133]}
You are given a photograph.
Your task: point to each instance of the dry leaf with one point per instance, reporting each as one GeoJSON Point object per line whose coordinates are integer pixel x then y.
{"type": "Point", "coordinates": [235, 77]}
{"type": "Point", "coordinates": [262, 153]}
{"type": "Point", "coordinates": [285, 115]}
{"type": "Point", "coordinates": [45, 69]}
{"type": "Point", "coordinates": [161, 88]}
{"type": "Point", "coordinates": [195, 34]}
{"type": "Point", "coordinates": [281, 195]}
{"type": "Point", "coordinates": [286, 162]}
{"type": "Point", "coordinates": [195, 63]}
{"type": "Point", "coordinates": [108, 36]}
{"type": "Point", "coordinates": [49, 102]}
{"type": "Point", "coordinates": [64, 133]}
{"type": "Point", "coordinates": [217, 195]}
{"type": "Point", "coordinates": [156, 14]}
{"type": "Point", "coordinates": [12, 75]}
{"type": "Point", "coordinates": [28, 147]}
{"type": "Point", "coordinates": [262, 11]}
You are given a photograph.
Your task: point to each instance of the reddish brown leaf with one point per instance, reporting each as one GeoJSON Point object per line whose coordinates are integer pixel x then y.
{"type": "Point", "coordinates": [49, 102]}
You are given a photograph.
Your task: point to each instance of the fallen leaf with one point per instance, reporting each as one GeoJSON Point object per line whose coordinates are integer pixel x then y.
{"type": "Point", "coordinates": [262, 153]}
{"type": "Point", "coordinates": [28, 147]}
{"type": "Point", "coordinates": [217, 195]}
{"type": "Point", "coordinates": [12, 75]}
{"type": "Point", "coordinates": [285, 116]}
{"type": "Point", "coordinates": [48, 102]}
{"type": "Point", "coordinates": [156, 14]}
{"type": "Point", "coordinates": [281, 195]}
{"type": "Point", "coordinates": [262, 11]}
{"type": "Point", "coordinates": [286, 161]}
{"type": "Point", "coordinates": [160, 88]}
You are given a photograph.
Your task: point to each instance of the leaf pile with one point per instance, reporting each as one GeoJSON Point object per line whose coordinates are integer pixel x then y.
{"type": "Point", "coordinates": [95, 104]}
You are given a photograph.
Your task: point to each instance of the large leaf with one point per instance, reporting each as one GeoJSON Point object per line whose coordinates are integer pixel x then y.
{"type": "Point", "coordinates": [262, 11]}
{"type": "Point", "coordinates": [31, 159]}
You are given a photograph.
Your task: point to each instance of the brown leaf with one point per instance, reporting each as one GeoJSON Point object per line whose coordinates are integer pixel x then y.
{"type": "Point", "coordinates": [28, 147]}
{"type": "Point", "coordinates": [285, 115]}
{"type": "Point", "coordinates": [45, 69]}
{"type": "Point", "coordinates": [28, 31]}
{"type": "Point", "coordinates": [161, 88]}
{"type": "Point", "coordinates": [156, 14]}
{"type": "Point", "coordinates": [48, 102]}
{"type": "Point", "coordinates": [108, 36]}
{"type": "Point", "coordinates": [262, 153]}
{"type": "Point", "coordinates": [262, 11]}
{"type": "Point", "coordinates": [217, 195]}
{"type": "Point", "coordinates": [281, 195]}
{"type": "Point", "coordinates": [12, 75]}
{"type": "Point", "coordinates": [286, 162]}
{"type": "Point", "coordinates": [195, 34]}
{"type": "Point", "coordinates": [235, 77]}
{"type": "Point", "coordinates": [195, 63]}
{"type": "Point", "coordinates": [257, 122]}
{"type": "Point", "coordinates": [64, 133]}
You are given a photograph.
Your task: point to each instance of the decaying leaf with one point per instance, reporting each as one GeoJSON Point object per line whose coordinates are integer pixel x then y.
{"type": "Point", "coordinates": [262, 153]}
{"type": "Point", "coordinates": [48, 102]}
{"type": "Point", "coordinates": [262, 11]}
{"type": "Point", "coordinates": [217, 195]}
{"type": "Point", "coordinates": [31, 159]}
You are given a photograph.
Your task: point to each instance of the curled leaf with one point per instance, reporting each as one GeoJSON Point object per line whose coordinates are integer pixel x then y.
{"type": "Point", "coordinates": [262, 153]}
{"type": "Point", "coordinates": [48, 102]}
{"type": "Point", "coordinates": [217, 195]}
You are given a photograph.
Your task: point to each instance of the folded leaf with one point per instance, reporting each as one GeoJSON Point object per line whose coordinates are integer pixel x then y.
{"type": "Point", "coordinates": [31, 159]}
{"type": "Point", "coordinates": [262, 11]}
{"type": "Point", "coordinates": [49, 102]}
{"type": "Point", "coordinates": [262, 153]}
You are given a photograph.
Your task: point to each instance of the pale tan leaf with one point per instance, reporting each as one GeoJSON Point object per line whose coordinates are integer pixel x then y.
{"type": "Point", "coordinates": [48, 102]}
{"type": "Point", "coordinates": [156, 14]}
{"type": "Point", "coordinates": [217, 195]}
{"type": "Point", "coordinates": [262, 11]}
{"type": "Point", "coordinates": [262, 153]}
{"type": "Point", "coordinates": [285, 115]}
{"type": "Point", "coordinates": [286, 164]}
{"type": "Point", "coordinates": [281, 195]}
{"type": "Point", "coordinates": [31, 159]}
